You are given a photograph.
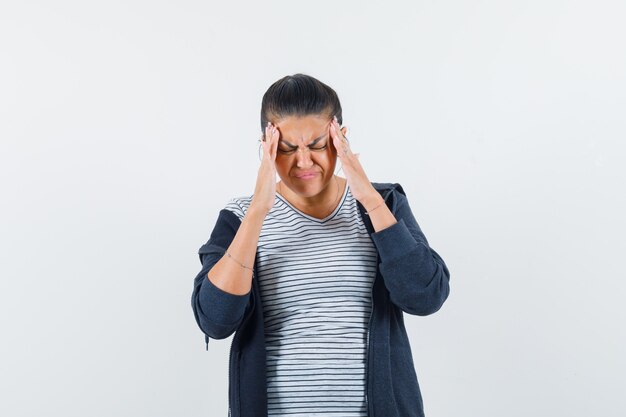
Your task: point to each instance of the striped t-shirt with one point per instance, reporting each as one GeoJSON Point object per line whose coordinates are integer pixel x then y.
{"type": "Point", "coordinates": [315, 277]}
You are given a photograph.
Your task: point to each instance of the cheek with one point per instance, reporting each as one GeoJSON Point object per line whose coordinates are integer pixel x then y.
{"type": "Point", "coordinates": [280, 163]}
{"type": "Point", "coordinates": [327, 158]}
{"type": "Point", "coordinates": [324, 157]}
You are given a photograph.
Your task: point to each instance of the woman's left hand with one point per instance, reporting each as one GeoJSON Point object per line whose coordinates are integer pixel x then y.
{"type": "Point", "coordinates": [360, 186]}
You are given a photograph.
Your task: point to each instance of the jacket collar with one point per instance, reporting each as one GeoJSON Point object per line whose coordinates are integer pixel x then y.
{"type": "Point", "coordinates": [386, 188]}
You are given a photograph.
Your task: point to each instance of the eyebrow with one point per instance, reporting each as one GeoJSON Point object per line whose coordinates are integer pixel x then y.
{"type": "Point", "coordinates": [312, 142]}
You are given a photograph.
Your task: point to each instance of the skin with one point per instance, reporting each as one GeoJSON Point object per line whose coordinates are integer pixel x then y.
{"type": "Point", "coordinates": [233, 273]}
{"type": "Point", "coordinates": [316, 196]}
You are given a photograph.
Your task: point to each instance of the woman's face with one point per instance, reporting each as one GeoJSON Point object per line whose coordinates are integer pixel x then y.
{"type": "Point", "coordinates": [305, 147]}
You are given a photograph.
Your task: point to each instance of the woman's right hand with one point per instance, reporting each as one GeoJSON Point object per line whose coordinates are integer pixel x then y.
{"type": "Point", "coordinates": [265, 190]}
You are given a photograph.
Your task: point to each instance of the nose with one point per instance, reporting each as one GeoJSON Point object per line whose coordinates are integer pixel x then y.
{"type": "Point", "coordinates": [304, 158]}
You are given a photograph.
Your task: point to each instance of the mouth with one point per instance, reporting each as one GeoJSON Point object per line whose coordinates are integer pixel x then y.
{"type": "Point", "coordinates": [307, 176]}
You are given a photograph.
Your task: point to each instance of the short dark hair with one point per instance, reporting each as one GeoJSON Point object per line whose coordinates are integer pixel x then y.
{"type": "Point", "coordinates": [298, 95]}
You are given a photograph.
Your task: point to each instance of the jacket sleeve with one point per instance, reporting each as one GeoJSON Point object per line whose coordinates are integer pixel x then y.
{"type": "Point", "coordinates": [415, 275]}
{"type": "Point", "coordinates": [217, 312]}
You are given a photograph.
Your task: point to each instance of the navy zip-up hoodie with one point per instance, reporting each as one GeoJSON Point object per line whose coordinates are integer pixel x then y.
{"type": "Point", "coordinates": [411, 278]}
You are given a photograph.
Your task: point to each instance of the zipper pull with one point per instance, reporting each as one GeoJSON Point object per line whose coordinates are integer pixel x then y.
{"type": "Point", "coordinates": [206, 339]}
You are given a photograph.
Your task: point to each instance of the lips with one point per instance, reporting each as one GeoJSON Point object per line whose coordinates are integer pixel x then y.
{"type": "Point", "coordinates": [306, 174]}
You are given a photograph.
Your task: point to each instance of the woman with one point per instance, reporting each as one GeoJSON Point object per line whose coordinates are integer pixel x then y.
{"type": "Point", "coordinates": [314, 273]}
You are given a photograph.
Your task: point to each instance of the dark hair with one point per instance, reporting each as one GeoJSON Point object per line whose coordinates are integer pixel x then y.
{"type": "Point", "coordinates": [298, 95]}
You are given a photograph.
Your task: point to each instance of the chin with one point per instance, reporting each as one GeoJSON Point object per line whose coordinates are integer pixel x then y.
{"type": "Point", "coordinates": [307, 188]}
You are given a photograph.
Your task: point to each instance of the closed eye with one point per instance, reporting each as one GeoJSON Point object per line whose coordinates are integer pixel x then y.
{"type": "Point", "coordinates": [318, 147]}
{"type": "Point", "coordinates": [291, 149]}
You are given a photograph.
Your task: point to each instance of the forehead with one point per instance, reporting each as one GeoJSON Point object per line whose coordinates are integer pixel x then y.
{"type": "Point", "coordinates": [304, 129]}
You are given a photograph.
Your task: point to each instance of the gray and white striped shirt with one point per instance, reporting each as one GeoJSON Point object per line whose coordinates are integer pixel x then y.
{"type": "Point", "coordinates": [315, 277]}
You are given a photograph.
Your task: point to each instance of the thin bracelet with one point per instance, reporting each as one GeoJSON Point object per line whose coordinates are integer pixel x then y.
{"type": "Point", "coordinates": [238, 261]}
{"type": "Point", "coordinates": [368, 212]}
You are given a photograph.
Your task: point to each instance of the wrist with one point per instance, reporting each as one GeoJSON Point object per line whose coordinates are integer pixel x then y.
{"type": "Point", "coordinates": [372, 201]}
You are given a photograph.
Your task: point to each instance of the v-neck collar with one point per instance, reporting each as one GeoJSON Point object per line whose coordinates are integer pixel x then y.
{"type": "Point", "coordinates": [315, 219]}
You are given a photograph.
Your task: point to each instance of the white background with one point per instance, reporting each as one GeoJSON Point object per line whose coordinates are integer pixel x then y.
{"type": "Point", "coordinates": [126, 125]}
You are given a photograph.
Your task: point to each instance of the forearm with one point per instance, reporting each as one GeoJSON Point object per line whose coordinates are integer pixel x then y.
{"type": "Point", "coordinates": [415, 275]}
{"type": "Point", "coordinates": [227, 274]}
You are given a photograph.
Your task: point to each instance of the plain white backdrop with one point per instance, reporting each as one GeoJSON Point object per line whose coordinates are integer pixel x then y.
{"type": "Point", "coordinates": [125, 126]}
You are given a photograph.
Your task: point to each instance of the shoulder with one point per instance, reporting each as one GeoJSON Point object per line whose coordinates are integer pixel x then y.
{"type": "Point", "coordinates": [228, 221]}
{"type": "Point", "coordinates": [388, 188]}
{"type": "Point", "coordinates": [238, 205]}
{"type": "Point", "coordinates": [392, 192]}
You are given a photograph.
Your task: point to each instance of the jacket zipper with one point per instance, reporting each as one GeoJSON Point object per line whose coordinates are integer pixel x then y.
{"type": "Point", "coordinates": [230, 356]}
{"type": "Point", "coordinates": [367, 349]}
{"type": "Point", "coordinates": [230, 370]}
{"type": "Point", "coordinates": [367, 403]}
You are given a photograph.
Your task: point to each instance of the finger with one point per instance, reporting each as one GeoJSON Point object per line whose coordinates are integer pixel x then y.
{"type": "Point", "coordinates": [336, 141]}
{"type": "Point", "coordinates": [273, 142]}
{"type": "Point", "coordinates": [334, 134]}
{"type": "Point", "coordinates": [341, 144]}
{"type": "Point", "coordinates": [268, 141]}
{"type": "Point", "coordinates": [264, 144]}
{"type": "Point", "coordinates": [265, 141]}
{"type": "Point", "coordinates": [337, 129]}
{"type": "Point", "coordinates": [340, 132]}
